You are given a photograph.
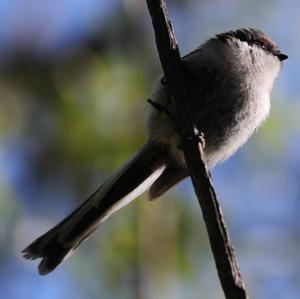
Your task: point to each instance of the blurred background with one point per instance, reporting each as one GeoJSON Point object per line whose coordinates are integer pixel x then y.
{"type": "Point", "coordinates": [74, 79]}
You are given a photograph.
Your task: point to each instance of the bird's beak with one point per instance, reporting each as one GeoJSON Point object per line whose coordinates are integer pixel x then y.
{"type": "Point", "coordinates": [281, 56]}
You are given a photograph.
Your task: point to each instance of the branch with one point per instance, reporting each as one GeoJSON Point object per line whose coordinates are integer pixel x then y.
{"type": "Point", "coordinates": [226, 263]}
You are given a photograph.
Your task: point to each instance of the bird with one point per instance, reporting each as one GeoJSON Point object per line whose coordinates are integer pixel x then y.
{"type": "Point", "coordinates": [229, 80]}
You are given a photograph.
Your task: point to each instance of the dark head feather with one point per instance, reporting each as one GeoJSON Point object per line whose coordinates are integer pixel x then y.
{"type": "Point", "coordinates": [251, 36]}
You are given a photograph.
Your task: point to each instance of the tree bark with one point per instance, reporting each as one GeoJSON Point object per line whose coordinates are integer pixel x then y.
{"type": "Point", "coordinates": [226, 263]}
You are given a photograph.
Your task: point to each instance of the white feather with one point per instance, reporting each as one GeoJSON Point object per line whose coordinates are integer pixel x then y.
{"type": "Point", "coordinates": [135, 193]}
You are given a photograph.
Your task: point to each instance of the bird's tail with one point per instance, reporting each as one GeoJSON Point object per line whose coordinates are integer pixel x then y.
{"type": "Point", "coordinates": [130, 181]}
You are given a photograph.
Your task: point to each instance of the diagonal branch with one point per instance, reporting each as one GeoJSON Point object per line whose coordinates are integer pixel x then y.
{"type": "Point", "coordinates": [226, 263]}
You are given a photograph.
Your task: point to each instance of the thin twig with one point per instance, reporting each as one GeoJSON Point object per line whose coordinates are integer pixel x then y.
{"type": "Point", "coordinates": [160, 108]}
{"type": "Point", "coordinates": [226, 263]}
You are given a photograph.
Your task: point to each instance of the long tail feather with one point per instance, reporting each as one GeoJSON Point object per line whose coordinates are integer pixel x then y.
{"type": "Point", "coordinates": [171, 175]}
{"type": "Point", "coordinates": [124, 186]}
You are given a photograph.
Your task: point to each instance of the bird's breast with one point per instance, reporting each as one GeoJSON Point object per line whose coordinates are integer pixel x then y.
{"type": "Point", "coordinates": [230, 125]}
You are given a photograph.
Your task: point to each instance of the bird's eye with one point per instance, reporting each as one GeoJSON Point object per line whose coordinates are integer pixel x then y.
{"type": "Point", "coordinates": [263, 45]}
